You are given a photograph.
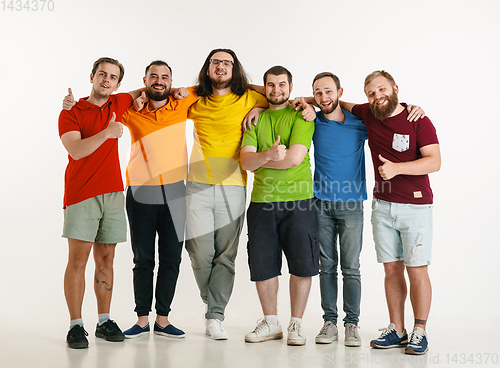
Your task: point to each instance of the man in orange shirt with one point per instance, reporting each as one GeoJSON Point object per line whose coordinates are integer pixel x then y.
{"type": "Point", "coordinates": [156, 202]}
{"type": "Point", "coordinates": [93, 196]}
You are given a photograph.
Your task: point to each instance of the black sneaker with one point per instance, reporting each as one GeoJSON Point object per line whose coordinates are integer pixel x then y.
{"type": "Point", "coordinates": [109, 331]}
{"type": "Point", "coordinates": [76, 338]}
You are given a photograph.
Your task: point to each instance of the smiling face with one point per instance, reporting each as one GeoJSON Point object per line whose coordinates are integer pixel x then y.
{"type": "Point", "coordinates": [382, 96]}
{"type": "Point", "coordinates": [278, 89]}
{"type": "Point", "coordinates": [105, 80]}
{"type": "Point", "coordinates": [326, 94]}
{"type": "Point", "coordinates": [158, 82]}
{"type": "Point", "coordinates": [220, 75]}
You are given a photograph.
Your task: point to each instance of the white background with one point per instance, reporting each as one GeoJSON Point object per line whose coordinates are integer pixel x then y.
{"type": "Point", "coordinates": [444, 56]}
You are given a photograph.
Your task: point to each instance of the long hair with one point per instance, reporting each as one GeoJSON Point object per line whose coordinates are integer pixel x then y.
{"type": "Point", "coordinates": [239, 81]}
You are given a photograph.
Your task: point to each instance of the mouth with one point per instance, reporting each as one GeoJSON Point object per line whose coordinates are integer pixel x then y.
{"type": "Point", "coordinates": [381, 102]}
{"type": "Point", "coordinates": [158, 87]}
{"type": "Point", "coordinates": [104, 86]}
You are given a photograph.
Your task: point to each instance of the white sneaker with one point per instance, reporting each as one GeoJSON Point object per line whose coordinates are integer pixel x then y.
{"type": "Point", "coordinates": [351, 335]}
{"type": "Point", "coordinates": [264, 331]}
{"type": "Point", "coordinates": [295, 336]}
{"type": "Point", "coordinates": [215, 329]}
{"type": "Point", "coordinates": [328, 333]}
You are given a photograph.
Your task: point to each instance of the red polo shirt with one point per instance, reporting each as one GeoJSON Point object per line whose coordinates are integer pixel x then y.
{"type": "Point", "coordinates": [99, 172]}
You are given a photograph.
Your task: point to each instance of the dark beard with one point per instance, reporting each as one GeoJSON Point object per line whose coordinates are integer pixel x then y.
{"type": "Point", "coordinates": [220, 84]}
{"type": "Point", "coordinates": [331, 109]}
{"type": "Point", "coordinates": [279, 102]}
{"type": "Point", "coordinates": [382, 113]}
{"type": "Point", "coordinates": [156, 95]}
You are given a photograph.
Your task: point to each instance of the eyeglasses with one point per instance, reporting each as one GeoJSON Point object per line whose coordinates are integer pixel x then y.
{"type": "Point", "coordinates": [217, 62]}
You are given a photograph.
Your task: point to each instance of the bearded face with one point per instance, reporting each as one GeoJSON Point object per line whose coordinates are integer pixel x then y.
{"type": "Point", "coordinates": [158, 92]}
{"type": "Point", "coordinates": [384, 106]}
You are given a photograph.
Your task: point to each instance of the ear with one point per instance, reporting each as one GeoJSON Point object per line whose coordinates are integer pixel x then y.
{"type": "Point", "coordinates": [396, 88]}
{"type": "Point", "coordinates": [144, 80]}
{"type": "Point", "coordinates": [291, 87]}
{"type": "Point", "coordinates": [117, 86]}
{"type": "Point", "coordinates": [341, 92]}
{"type": "Point", "coordinates": [91, 78]}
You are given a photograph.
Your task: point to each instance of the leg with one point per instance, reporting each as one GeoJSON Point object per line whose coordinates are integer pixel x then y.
{"type": "Point", "coordinates": [170, 250]}
{"type": "Point", "coordinates": [229, 216]}
{"type": "Point", "coordinates": [299, 292]}
{"type": "Point", "coordinates": [420, 294]}
{"type": "Point", "coordinates": [395, 292]}
{"type": "Point", "coordinates": [327, 235]}
{"type": "Point", "coordinates": [142, 221]}
{"type": "Point", "coordinates": [268, 295]}
{"type": "Point", "coordinates": [350, 224]}
{"type": "Point", "coordinates": [200, 233]}
{"type": "Point", "coordinates": [74, 277]}
{"type": "Point", "coordinates": [104, 255]}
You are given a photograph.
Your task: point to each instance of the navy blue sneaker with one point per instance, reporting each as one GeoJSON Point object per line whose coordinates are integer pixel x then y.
{"type": "Point", "coordinates": [418, 342]}
{"type": "Point", "coordinates": [390, 339]}
{"type": "Point", "coordinates": [169, 331]}
{"type": "Point", "coordinates": [136, 331]}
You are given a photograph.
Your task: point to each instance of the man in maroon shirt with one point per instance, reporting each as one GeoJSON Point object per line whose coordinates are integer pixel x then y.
{"type": "Point", "coordinates": [403, 155]}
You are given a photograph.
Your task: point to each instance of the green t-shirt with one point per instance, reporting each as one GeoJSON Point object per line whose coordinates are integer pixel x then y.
{"type": "Point", "coordinates": [280, 185]}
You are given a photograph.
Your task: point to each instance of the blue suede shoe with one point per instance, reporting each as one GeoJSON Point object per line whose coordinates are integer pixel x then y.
{"type": "Point", "coordinates": [418, 342]}
{"type": "Point", "coordinates": [136, 331]}
{"type": "Point", "coordinates": [390, 339]}
{"type": "Point", "coordinates": [169, 331]}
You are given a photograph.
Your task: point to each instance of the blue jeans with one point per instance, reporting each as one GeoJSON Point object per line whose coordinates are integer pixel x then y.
{"type": "Point", "coordinates": [345, 221]}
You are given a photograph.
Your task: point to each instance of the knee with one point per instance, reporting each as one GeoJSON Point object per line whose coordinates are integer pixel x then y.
{"type": "Point", "coordinates": [394, 269]}
{"type": "Point", "coordinates": [416, 273]}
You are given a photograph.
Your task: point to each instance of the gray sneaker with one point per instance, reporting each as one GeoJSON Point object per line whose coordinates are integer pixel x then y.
{"type": "Point", "coordinates": [351, 335]}
{"type": "Point", "coordinates": [327, 334]}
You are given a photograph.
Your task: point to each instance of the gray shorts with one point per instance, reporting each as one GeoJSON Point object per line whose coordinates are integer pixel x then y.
{"type": "Point", "coordinates": [99, 219]}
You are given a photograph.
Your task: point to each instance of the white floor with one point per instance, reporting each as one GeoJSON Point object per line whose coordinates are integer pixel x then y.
{"type": "Point", "coordinates": [39, 345]}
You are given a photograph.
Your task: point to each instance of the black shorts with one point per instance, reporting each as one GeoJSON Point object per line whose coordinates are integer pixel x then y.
{"type": "Point", "coordinates": [290, 227]}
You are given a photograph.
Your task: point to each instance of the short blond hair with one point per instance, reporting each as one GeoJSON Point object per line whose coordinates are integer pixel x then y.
{"type": "Point", "coordinates": [379, 73]}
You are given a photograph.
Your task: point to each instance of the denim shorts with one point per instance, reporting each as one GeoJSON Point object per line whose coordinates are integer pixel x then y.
{"type": "Point", "coordinates": [402, 232]}
{"type": "Point", "coordinates": [98, 219]}
{"type": "Point", "coordinates": [282, 227]}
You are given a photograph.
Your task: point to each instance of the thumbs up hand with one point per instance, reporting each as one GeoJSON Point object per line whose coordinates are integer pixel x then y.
{"type": "Point", "coordinates": [115, 128]}
{"type": "Point", "coordinates": [388, 169]}
{"type": "Point", "coordinates": [277, 152]}
{"type": "Point", "coordinates": [69, 100]}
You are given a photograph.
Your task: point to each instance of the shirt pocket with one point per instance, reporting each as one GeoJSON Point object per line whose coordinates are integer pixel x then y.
{"type": "Point", "coordinates": [401, 142]}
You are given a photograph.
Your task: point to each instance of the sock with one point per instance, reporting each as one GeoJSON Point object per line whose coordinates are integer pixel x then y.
{"type": "Point", "coordinates": [103, 317]}
{"type": "Point", "coordinates": [74, 322]}
{"type": "Point", "coordinates": [399, 334]}
{"type": "Point", "coordinates": [273, 319]}
{"type": "Point", "coordinates": [298, 320]}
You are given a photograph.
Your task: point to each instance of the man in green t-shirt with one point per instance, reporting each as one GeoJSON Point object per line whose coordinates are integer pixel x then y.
{"type": "Point", "coordinates": [281, 216]}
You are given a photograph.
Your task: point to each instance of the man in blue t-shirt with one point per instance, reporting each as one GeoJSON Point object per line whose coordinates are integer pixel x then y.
{"type": "Point", "coordinates": [340, 189]}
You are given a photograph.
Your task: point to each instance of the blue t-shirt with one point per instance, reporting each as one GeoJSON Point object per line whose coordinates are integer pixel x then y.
{"type": "Point", "coordinates": [339, 157]}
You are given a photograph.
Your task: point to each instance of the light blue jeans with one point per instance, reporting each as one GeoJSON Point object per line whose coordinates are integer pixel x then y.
{"type": "Point", "coordinates": [342, 220]}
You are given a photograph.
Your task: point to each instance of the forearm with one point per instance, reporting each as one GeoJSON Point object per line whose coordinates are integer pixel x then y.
{"type": "Point", "coordinates": [85, 147]}
{"type": "Point", "coordinates": [253, 160]}
{"type": "Point", "coordinates": [136, 93]}
{"type": "Point", "coordinates": [258, 89]}
{"type": "Point", "coordinates": [422, 166]}
{"type": "Point", "coordinates": [346, 105]}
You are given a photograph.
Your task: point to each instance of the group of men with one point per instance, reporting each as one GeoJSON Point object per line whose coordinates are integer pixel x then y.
{"type": "Point", "coordinates": [288, 213]}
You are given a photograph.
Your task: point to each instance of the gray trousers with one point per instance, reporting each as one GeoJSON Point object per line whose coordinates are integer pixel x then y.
{"type": "Point", "coordinates": [214, 219]}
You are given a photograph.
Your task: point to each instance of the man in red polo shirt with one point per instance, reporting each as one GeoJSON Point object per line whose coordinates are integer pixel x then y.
{"type": "Point", "coordinates": [94, 216]}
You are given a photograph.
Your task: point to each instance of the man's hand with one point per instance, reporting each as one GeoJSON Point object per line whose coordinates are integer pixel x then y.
{"type": "Point", "coordinates": [140, 101]}
{"type": "Point", "coordinates": [308, 112]}
{"type": "Point", "coordinates": [179, 93]}
{"type": "Point", "coordinates": [114, 129]}
{"type": "Point", "coordinates": [388, 169]}
{"type": "Point", "coordinates": [277, 152]}
{"type": "Point", "coordinates": [414, 113]}
{"type": "Point", "coordinates": [252, 115]}
{"type": "Point", "coordinates": [69, 100]}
